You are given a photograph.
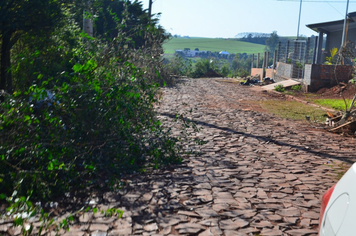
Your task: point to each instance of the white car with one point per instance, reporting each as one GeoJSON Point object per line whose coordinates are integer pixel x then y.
{"type": "Point", "coordinates": [338, 207]}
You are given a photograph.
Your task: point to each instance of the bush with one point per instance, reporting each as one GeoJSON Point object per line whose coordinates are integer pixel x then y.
{"type": "Point", "coordinates": [88, 123]}
{"type": "Point", "coordinates": [206, 68]}
{"type": "Point", "coordinates": [279, 88]}
{"type": "Point", "coordinates": [297, 87]}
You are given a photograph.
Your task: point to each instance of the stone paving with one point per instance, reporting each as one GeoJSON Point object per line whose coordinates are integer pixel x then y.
{"type": "Point", "coordinates": [257, 174]}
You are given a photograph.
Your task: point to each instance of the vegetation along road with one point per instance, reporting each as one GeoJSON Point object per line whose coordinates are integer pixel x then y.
{"type": "Point", "coordinates": [257, 174]}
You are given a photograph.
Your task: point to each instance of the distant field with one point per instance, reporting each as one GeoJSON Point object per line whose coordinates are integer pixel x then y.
{"type": "Point", "coordinates": [212, 44]}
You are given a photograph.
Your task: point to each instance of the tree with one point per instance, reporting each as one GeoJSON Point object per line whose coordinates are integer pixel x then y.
{"type": "Point", "coordinates": [18, 17]}
{"type": "Point", "coordinates": [110, 13]}
{"type": "Point", "coordinates": [272, 42]}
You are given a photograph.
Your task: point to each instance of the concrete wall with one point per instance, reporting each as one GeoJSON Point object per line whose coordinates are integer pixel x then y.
{"type": "Point", "coordinates": [258, 71]}
{"type": "Point", "coordinates": [283, 71]}
{"type": "Point", "coordinates": [323, 76]}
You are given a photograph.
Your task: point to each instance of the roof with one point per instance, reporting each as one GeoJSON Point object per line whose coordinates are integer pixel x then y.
{"type": "Point", "coordinates": [332, 26]}
{"type": "Point", "coordinates": [224, 53]}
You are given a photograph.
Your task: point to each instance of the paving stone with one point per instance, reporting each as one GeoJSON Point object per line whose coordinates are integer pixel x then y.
{"type": "Point", "coordinates": [290, 220]}
{"type": "Point", "coordinates": [209, 222]}
{"type": "Point", "coordinates": [232, 225]}
{"type": "Point", "coordinates": [271, 232]}
{"type": "Point", "coordinates": [206, 213]}
{"type": "Point", "coordinates": [189, 213]}
{"type": "Point", "coordinates": [151, 227]}
{"type": "Point", "coordinates": [262, 224]}
{"type": "Point", "coordinates": [274, 217]}
{"type": "Point", "coordinates": [269, 206]}
{"type": "Point", "coordinates": [74, 233]}
{"type": "Point", "coordinates": [122, 231]}
{"type": "Point", "coordinates": [292, 211]}
{"type": "Point", "coordinates": [311, 215]}
{"type": "Point", "coordinates": [234, 233]}
{"type": "Point", "coordinates": [206, 233]}
{"type": "Point", "coordinates": [99, 233]}
{"type": "Point", "coordinates": [301, 232]}
{"type": "Point", "coordinates": [86, 217]}
{"type": "Point", "coordinates": [305, 222]}
{"type": "Point", "coordinates": [99, 227]}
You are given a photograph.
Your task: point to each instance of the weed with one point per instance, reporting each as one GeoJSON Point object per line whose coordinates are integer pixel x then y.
{"type": "Point", "coordinates": [297, 87]}
{"type": "Point", "coordinates": [279, 88]}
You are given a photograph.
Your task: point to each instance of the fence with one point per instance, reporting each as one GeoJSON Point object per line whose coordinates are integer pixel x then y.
{"type": "Point", "coordinates": [297, 53]}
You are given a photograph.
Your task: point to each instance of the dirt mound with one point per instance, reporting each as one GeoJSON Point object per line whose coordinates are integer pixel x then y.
{"type": "Point", "coordinates": [347, 90]}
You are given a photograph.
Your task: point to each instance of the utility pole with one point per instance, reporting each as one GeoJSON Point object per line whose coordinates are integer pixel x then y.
{"type": "Point", "coordinates": [150, 9]}
{"type": "Point", "coordinates": [300, 12]}
{"type": "Point", "coordinates": [345, 21]}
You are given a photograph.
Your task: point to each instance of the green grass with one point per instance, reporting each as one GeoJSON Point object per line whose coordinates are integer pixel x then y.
{"type": "Point", "coordinates": [337, 104]}
{"type": "Point", "coordinates": [293, 110]}
{"type": "Point", "coordinates": [213, 45]}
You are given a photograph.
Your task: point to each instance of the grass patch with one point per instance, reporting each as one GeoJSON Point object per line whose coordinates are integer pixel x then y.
{"type": "Point", "coordinates": [337, 104]}
{"type": "Point", "coordinates": [213, 45]}
{"type": "Point", "coordinates": [292, 110]}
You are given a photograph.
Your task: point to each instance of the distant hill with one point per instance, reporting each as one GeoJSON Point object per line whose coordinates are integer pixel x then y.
{"type": "Point", "coordinates": [213, 45]}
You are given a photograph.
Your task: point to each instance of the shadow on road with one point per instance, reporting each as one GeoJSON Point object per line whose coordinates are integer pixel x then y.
{"type": "Point", "coordinates": [263, 138]}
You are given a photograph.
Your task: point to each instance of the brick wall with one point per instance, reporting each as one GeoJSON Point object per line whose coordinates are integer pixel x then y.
{"type": "Point", "coordinates": [323, 76]}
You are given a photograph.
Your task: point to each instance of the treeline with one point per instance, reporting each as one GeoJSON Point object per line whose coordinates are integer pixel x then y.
{"type": "Point", "coordinates": [253, 37]}
{"type": "Point", "coordinates": [233, 65]}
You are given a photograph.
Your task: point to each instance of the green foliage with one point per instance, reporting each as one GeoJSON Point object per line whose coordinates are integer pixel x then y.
{"type": "Point", "coordinates": [21, 209]}
{"type": "Point", "coordinates": [82, 113]}
{"type": "Point", "coordinates": [279, 88]}
{"type": "Point", "coordinates": [23, 18]}
{"type": "Point", "coordinates": [297, 87]}
{"type": "Point", "coordinates": [225, 70]}
{"type": "Point", "coordinates": [203, 67]}
{"type": "Point", "coordinates": [332, 59]}
{"type": "Point", "coordinates": [272, 42]}
{"type": "Point", "coordinates": [337, 104]}
{"type": "Point", "coordinates": [179, 66]}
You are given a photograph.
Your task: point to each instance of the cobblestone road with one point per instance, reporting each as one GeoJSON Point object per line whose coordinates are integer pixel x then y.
{"type": "Point", "coordinates": [258, 174]}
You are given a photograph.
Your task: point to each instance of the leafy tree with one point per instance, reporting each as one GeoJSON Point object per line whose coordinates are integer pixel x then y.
{"type": "Point", "coordinates": [91, 113]}
{"type": "Point", "coordinates": [272, 42]}
{"type": "Point", "coordinates": [18, 17]}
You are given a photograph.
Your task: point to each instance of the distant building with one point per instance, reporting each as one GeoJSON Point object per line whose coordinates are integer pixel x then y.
{"type": "Point", "coordinates": [224, 53]}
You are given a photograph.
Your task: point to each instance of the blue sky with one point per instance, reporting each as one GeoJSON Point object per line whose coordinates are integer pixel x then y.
{"type": "Point", "coordinates": [226, 18]}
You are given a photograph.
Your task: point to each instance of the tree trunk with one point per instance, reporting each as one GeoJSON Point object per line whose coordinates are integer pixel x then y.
{"type": "Point", "coordinates": [5, 66]}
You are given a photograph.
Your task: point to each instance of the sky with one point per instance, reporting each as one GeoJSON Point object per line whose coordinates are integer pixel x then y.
{"type": "Point", "coordinates": [227, 18]}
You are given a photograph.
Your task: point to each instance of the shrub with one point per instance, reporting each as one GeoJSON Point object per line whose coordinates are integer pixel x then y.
{"type": "Point", "coordinates": [90, 123]}
{"type": "Point", "coordinates": [297, 87]}
{"type": "Point", "coordinates": [279, 88]}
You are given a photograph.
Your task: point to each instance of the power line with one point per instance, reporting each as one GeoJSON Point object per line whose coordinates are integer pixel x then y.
{"type": "Point", "coordinates": [333, 8]}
